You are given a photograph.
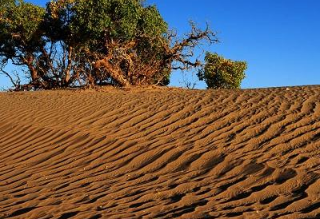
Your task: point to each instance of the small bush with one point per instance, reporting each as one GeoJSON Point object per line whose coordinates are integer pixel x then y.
{"type": "Point", "coordinates": [221, 73]}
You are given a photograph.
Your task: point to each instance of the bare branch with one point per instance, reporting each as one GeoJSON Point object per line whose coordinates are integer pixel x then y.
{"type": "Point", "coordinates": [15, 82]}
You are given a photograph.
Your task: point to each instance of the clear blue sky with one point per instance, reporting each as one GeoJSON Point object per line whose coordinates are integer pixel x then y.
{"type": "Point", "coordinates": [280, 39]}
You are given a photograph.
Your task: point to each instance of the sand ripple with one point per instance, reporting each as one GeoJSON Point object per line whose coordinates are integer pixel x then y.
{"type": "Point", "coordinates": [161, 153]}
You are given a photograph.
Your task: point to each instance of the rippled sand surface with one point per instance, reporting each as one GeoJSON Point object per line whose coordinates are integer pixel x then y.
{"type": "Point", "coordinates": [161, 153]}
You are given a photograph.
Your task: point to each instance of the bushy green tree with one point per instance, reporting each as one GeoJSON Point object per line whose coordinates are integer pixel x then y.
{"type": "Point", "coordinates": [20, 36]}
{"type": "Point", "coordinates": [30, 38]}
{"type": "Point", "coordinates": [219, 72]}
{"type": "Point", "coordinates": [85, 42]}
{"type": "Point", "coordinates": [122, 37]}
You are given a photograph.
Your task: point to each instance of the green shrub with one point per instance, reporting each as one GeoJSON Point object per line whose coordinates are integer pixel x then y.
{"type": "Point", "coordinates": [221, 73]}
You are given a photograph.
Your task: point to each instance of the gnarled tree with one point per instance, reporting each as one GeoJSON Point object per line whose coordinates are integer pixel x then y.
{"type": "Point", "coordinates": [20, 38]}
{"type": "Point", "coordinates": [31, 38]}
{"type": "Point", "coordinates": [83, 42]}
{"type": "Point", "coordinates": [130, 44]}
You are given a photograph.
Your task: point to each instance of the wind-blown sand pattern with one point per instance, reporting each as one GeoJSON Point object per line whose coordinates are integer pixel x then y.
{"type": "Point", "coordinates": [161, 153]}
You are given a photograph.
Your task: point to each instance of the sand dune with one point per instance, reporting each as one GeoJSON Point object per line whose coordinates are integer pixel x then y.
{"type": "Point", "coordinates": [160, 153]}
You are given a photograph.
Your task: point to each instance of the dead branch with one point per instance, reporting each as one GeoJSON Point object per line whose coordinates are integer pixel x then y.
{"type": "Point", "coordinates": [15, 82]}
{"type": "Point", "coordinates": [126, 66]}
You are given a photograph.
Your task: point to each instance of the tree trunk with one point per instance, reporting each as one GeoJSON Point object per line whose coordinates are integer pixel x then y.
{"type": "Point", "coordinates": [114, 71]}
{"type": "Point", "coordinates": [33, 72]}
{"type": "Point", "coordinates": [68, 70]}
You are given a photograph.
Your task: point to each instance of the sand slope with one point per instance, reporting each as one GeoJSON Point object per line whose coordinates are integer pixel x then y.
{"type": "Point", "coordinates": [160, 153]}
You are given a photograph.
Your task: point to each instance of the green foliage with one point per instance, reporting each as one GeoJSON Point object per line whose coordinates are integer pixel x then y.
{"type": "Point", "coordinates": [56, 23]}
{"type": "Point", "coordinates": [222, 73]}
{"type": "Point", "coordinates": [85, 42]}
{"type": "Point", "coordinates": [126, 29]}
{"type": "Point", "coordinates": [151, 22]}
{"type": "Point", "coordinates": [19, 28]}
{"type": "Point", "coordinates": [118, 19]}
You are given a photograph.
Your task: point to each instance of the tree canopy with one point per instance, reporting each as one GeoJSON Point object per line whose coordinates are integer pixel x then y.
{"type": "Point", "coordinates": [20, 34]}
{"type": "Point", "coordinates": [87, 43]}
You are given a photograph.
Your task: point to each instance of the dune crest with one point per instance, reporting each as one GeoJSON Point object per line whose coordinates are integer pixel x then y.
{"type": "Point", "coordinates": [161, 153]}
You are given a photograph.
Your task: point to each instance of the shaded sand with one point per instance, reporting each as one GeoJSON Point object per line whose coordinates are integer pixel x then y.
{"type": "Point", "coordinates": [161, 153]}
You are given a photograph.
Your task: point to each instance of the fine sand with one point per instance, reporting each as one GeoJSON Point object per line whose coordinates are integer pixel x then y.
{"type": "Point", "coordinates": [160, 153]}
